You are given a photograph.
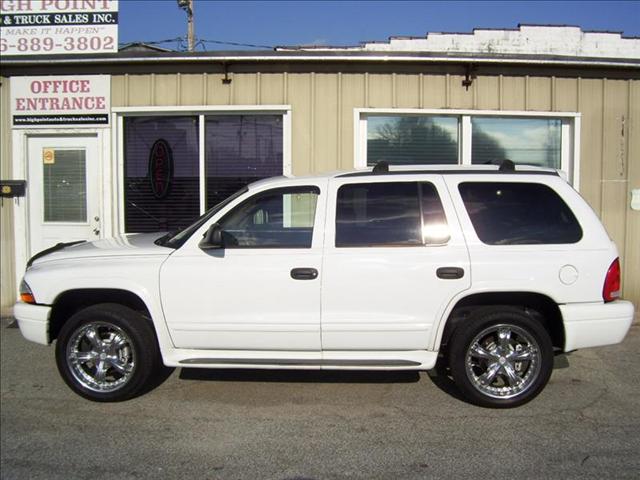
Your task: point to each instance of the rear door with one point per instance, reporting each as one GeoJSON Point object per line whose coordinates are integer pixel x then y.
{"type": "Point", "coordinates": [393, 260]}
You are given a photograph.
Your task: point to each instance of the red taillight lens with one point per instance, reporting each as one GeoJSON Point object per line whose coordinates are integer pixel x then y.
{"type": "Point", "coordinates": [611, 289]}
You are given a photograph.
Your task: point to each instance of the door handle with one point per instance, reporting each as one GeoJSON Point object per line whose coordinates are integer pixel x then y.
{"type": "Point", "coordinates": [304, 273]}
{"type": "Point", "coordinates": [450, 273]}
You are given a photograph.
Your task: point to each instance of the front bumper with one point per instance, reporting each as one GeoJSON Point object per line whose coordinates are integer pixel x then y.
{"type": "Point", "coordinates": [33, 321]}
{"type": "Point", "coordinates": [596, 324]}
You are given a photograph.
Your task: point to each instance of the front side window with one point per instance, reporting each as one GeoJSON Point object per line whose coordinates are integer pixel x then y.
{"type": "Point", "coordinates": [519, 214]}
{"type": "Point", "coordinates": [279, 218]}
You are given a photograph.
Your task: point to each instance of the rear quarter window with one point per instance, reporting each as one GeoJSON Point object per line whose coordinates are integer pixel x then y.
{"type": "Point", "coordinates": [504, 213]}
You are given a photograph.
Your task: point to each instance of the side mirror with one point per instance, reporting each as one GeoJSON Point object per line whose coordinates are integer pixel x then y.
{"type": "Point", "coordinates": [212, 239]}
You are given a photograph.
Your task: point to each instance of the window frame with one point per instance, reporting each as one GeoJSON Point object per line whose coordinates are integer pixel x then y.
{"type": "Point", "coordinates": [570, 133]}
{"type": "Point", "coordinates": [117, 176]}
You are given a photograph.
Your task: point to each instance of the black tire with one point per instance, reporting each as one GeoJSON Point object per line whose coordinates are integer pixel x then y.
{"type": "Point", "coordinates": [108, 353]}
{"type": "Point", "coordinates": [511, 361]}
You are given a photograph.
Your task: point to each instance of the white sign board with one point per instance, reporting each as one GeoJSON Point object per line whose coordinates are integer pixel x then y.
{"type": "Point", "coordinates": [46, 27]}
{"type": "Point", "coordinates": [60, 101]}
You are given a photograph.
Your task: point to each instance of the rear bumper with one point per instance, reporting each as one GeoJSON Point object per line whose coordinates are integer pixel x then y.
{"type": "Point", "coordinates": [596, 324]}
{"type": "Point", "coordinates": [33, 321]}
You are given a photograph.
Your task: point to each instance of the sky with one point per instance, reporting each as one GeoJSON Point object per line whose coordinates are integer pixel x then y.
{"type": "Point", "coordinates": [267, 24]}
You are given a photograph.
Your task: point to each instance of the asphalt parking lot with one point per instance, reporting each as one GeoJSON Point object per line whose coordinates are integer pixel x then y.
{"type": "Point", "coordinates": [319, 425]}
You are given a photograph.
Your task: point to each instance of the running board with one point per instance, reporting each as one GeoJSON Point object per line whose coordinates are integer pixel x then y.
{"type": "Point", "coordinates": [300, 363]}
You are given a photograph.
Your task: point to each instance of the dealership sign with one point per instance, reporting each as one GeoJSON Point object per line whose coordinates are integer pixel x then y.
{"type": "Point", "coordinates": [79, 100]}
{"type": "Point", "coordinates": [45, 27]}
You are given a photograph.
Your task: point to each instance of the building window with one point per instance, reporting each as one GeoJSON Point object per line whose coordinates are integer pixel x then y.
{"type": "Point", "coordinates": [445, 137]}
{"type": "Point", "coordinates": [527, 141]}
{"type": "Point", "coordinates": [240, 149]}
{"type": "Point", "coordinates": [178, 202]}
{"type": "Point", "coordinates": [411, 139]}
{"type": "Point", "coordinates": [178, 166]}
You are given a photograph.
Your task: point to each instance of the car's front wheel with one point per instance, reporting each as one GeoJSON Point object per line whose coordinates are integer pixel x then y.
{"type": "Point", "coordinates": [501, 357]}
{"type": "Point", "coordinates": [107, 353]}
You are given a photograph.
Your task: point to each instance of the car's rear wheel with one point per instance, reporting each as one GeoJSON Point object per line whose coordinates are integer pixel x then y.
{"type": "Point", "coordinates": [107, 353]}
{"type": "Point", "coordinates": [501, 357]}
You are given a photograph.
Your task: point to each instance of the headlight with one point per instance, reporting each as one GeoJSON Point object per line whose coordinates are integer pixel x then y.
{"type": "Point", "coordinates": [26, 295]}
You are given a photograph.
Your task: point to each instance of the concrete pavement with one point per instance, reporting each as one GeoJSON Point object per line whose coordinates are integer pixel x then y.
{"type": "Point", "coordinates": [289, 425]}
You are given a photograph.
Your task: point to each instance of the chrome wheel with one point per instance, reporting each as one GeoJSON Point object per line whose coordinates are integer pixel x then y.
{"type": "Point", "coordinates": [100, 356]}
{"type": "Point", "coordinates": [503, 361]}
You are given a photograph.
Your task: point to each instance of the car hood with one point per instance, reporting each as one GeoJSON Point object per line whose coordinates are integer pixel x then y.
{"type": "Point", "coordinates": [134, 245]}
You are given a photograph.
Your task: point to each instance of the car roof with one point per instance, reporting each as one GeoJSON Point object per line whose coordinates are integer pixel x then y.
{"type": "Point", "coordinates": [394, 170]}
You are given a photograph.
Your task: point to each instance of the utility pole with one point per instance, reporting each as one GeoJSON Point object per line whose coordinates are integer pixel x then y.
{"type": "Point", "coordinates": [187, 6]}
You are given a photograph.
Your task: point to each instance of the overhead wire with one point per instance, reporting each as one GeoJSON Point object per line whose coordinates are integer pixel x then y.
{"type": "Point", "coordinates": [202, 42]}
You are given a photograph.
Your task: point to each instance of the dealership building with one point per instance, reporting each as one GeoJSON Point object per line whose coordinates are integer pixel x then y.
{"type": "Point", "coordinates": [143, 140]}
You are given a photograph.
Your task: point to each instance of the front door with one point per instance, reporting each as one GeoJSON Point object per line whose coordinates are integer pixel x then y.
{"type": "Point", "coordinates": [63, 190]}
{"type": "Point", "coordinates": [261, 291]}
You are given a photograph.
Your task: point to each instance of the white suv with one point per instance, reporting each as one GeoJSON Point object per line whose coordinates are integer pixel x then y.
{"type": "Point", "coordinates": [490, 270]}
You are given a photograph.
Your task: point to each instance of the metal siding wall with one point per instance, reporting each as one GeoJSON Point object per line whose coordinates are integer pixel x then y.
{"type": "Point", "coordinates": [300, 97]}
{"type": "Point", "coordinates": [353, 95]}
{"type": "Point", "coordinates": [591, 107]}
{"type": "Point", "coordinates": [322, 106]}
{"type": "Point", "coordinates": [538, 94]}
{"type": "Point", "coordinates": [7, 248]}
{"type": "Point", "coordinates": [217, 92]}
{"type": "Point", "coordinates": [614, 162]}
{"type": "Point", "coordinates": [244, 88]}
{"type": "Point", "coordinates": [487, 93]}
{"type": "Point", "coordinates": [631, 272]}
{"type": "Point", "coordinates": [191, 89]}
{"type": "Point", "coordinates": [380, 91]}
{"type": "Point", "coordinates": [435, 89]}
{"type": "Point", "coordinates": [271, 89]}
{"type": "Point", "coordinates": [459, 96]}
{"type": "Point", "coordinates": [566, 94]}
{"type": "Point", "coordinates": [139, 91]}
{"type": "Point", "coordinates": [163, 89]}
{"type": "Point", "coordinates": [325, 111]}
{"type": "Point", "coordinates": [512, 95]}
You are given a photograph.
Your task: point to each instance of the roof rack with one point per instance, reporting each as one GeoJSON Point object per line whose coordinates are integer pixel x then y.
{"type": "Point", "coordinates": [505, 166]}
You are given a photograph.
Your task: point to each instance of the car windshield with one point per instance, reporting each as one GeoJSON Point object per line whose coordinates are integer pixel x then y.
{"type": "Point", "coordinates": [176, 239]}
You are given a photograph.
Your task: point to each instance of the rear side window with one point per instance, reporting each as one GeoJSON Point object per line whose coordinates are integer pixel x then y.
{"type": "Point", "coordinates": [388, 214]}
{"type": "Point", "coordinates": [373, 214]}
{"type": "Point", "coordinates": [519, 214]}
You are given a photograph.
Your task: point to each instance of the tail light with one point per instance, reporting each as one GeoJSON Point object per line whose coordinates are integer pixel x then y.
{"type": "Point", "coordinates": [611, 289]}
